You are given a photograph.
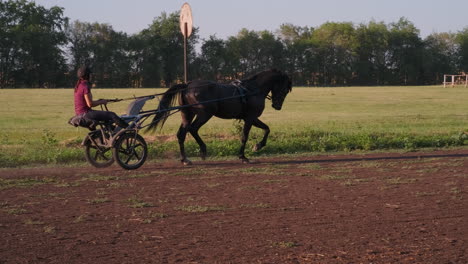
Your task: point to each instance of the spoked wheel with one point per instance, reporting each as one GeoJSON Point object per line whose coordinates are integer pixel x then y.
{"type": "Point", "coordinates": [96, 153]}
{"type": "Point", "coordinates": [130, 151]}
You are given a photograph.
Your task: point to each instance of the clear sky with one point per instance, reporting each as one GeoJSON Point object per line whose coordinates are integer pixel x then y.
{"type": "Point", "coordinates": [225, 18]}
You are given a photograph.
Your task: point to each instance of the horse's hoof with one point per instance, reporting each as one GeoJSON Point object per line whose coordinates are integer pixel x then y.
{"type": "Point", "coordinates": [257, 147]}
{"type": "Point", "coordinates": [203, 156]}
{"type": "Point", "coordinates": [245, 161]}
{"type": "Point", "coordinates": [186, 162]}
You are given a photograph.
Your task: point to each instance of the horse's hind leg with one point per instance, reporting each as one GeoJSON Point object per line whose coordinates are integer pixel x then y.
{"type": "Point", "coordinates": [187, 118]}
{"type": "Point", "coordinates": [199, 121]}
{"type": "Point", "coordinates": [245, 137]}
{"type": "Point", "coordinates": [266, 129]}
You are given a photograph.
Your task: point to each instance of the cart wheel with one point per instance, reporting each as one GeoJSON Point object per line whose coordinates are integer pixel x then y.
{"type": "Point", "coordinates": [98, 155]}
{"type": "Point", "coordinates": [130, 151]}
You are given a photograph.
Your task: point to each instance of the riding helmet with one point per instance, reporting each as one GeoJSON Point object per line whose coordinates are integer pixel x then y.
{"type": "Point", "coordinates": [83, 72]}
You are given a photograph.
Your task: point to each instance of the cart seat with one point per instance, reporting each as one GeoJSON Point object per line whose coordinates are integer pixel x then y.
{"type": "Point", "coordinates": [135, 107]}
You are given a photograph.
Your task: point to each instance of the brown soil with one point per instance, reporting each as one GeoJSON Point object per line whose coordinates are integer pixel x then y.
{"type": "Point", "coordinates": [373, 208]}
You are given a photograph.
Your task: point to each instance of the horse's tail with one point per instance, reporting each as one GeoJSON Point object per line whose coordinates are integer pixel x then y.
{"type": "Point", "coordinates": [168, 100]}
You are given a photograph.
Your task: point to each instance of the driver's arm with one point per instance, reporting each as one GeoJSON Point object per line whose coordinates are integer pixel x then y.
{"type": "Point", "coordinates": [89, 100]}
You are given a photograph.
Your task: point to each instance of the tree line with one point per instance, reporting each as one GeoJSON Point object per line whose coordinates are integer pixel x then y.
{"type": "Point", "coordinates": [40, 47]}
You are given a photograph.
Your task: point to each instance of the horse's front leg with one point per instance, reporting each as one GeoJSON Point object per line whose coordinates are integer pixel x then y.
{"type": "Point", "coordinates": [245, 137]}
{"type": "Point", "coordinates": [266, 130]}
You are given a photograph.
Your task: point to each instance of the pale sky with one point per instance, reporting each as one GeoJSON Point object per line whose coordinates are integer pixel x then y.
{"type": "Point", "coordinates": [225, 18]}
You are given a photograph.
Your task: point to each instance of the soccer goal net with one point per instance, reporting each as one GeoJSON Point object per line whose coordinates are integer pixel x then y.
{"type": "Point", "coordinates": [453, 80]}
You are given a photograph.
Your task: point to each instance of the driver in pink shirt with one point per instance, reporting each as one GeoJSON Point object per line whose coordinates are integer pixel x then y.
{"type": "Point", "coordinates": [84, 100]}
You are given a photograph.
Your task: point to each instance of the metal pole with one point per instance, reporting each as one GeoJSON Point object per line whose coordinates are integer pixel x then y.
{"type": "Point", "coordinates": [185, 52]}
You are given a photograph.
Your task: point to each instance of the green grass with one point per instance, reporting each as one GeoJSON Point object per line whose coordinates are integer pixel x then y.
{"type": "Point", "coordinates": [201, 208]}
{"type": "Point", "coordinates": [154, 216]}
{"type": "Point", "coordinates": [285, 244]}
{"type": "Point", "coordinates": [80, 219]}
{"type": "Point", "coordinates": [399, 180]}
{"type": "Point", "coordinates": [334, 177]}
{"type": "Point", "coordinates": [98, 200]}
{"type": "Point", "coordinates": [15, 211]}
{"type": "Point", "coordinates": [35, 130]}
{"type": "Point", "coordinates": [251, 206]}
{"type": "Point", "coordinates": [24, 183]}
{"type": "Point", "coordinates": [33, 222]}
{"type": "Point", "coordinates": [49, 229]}
{"type": "Point", "coordinates": [135, 202]}
{"type": "Point", "coordinates": [98, 177]}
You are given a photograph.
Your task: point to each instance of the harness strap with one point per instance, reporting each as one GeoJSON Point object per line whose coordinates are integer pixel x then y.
{"type": "Point", "coordinates": [241, 89]}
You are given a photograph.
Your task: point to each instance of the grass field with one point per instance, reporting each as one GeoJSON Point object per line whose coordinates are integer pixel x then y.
{"type": "Point", "coordinates": [34, 129]}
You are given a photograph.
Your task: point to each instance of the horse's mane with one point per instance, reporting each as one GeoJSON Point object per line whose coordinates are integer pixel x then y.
{"type": "Point", "coordinates": [277, 75]}
{"type": "Point", "coordinates": [255, 76]}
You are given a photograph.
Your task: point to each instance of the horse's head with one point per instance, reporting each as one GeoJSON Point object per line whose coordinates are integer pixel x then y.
{"type": "Point", "coordinates": [281, 87]}
{"type": "Point", "coordinates": [275, 82]}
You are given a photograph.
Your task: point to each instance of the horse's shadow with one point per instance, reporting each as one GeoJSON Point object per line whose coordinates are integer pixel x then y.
{"type": "Point", "coordinates": [320, 159]}
{"type": "Point", "coordinates": [358, 159]}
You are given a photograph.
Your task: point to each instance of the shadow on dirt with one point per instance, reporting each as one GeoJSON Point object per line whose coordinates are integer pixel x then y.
{"type": "Point", "coordinates": [352, 159]}
{"type": "Point", "coordinates": [341, 158]}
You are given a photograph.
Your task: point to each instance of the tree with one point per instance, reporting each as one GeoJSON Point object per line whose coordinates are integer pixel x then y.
{"type": "Point", "coordinates": [271, 51]}
{"type": "Point", "coordinates": [440, 57]}
{"type": "Point", "coordinates": [250, 52]}
{"type": "Point", "coordinates": [405, 53]}
{"type": "Point", "coordinates": [31, 47]}
{"type": "Point", "coordinates": [145, 53]}
{"type": "Point", "coordinates": [336, 44]}
{"type": "Point", "coordinates": [165, 33]}
{"type": "Point", "coordinates": [462, 40]}
{"type": "Point", "coordinates": [212, 59]}
{"type": "Point", "coordinates": [299, 53]}
{"type": "Point", "coordinates": [102, 48]}
{"type": "Point", "coordinates": [372, 51]}
{"type": "Point", "coordinates": [34, 40]}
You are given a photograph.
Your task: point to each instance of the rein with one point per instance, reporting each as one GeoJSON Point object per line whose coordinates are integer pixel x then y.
{"type": "Point", "coordinates": [237, 83]}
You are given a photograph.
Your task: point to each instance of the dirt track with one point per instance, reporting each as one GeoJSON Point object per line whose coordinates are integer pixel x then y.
{"type": "Point", "coordinates": [376, 208]}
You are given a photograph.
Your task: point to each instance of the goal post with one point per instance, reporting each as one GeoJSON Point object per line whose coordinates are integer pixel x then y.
{"type": "Point", "coordinates": [453, 80]}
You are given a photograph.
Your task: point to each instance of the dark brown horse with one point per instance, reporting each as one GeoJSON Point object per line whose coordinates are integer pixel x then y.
{"type": "Point", "coordinates": [245, 100]}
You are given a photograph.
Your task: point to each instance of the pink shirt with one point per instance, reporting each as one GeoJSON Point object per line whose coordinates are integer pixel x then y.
{"type": "Point", "coordinates": [80, 102]}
